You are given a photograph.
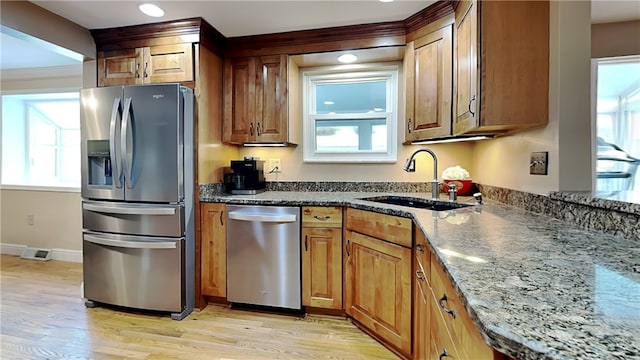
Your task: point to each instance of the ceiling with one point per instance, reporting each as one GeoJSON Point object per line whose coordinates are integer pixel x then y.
{"type": "Point", "coordinates": [239, 18]}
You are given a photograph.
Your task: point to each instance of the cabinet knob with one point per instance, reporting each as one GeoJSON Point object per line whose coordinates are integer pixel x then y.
{"type": "Point", "coordinates": [146, 68]}
{"type": "Point", "coordinates": [420, 274]}
{"type": "Point", "coordinates": [251, 129]}
{"type": "Point", "coordinates": [221, 216]}
{"type": "Point", "coordinates": [347, 248]}
{"type": "Point", "coordinates": [321, 217]}
{"type": "Point", "coordinates": [258, 129]}
{"type": "Point", "coordinates": [443, 354]}
{"type": "Point", "coordinates": [409, 125]}
{"type": "Point", "coordinates": [306, 246]}
{"type": "Point", "coordinates": [420, 248]}
{"type": "Point", "coordinates": [138, 70]}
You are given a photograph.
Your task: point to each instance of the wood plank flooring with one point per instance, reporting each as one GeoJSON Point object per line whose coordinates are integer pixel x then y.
{"type": "Point", "coordinates": [43, 317]}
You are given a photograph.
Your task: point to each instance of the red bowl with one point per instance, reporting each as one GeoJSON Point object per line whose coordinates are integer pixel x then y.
{"type": "Point", "coordinates": [463, 186]}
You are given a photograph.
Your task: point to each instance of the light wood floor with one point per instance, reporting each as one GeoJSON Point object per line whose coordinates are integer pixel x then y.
{"type": "Point", "coordinates": [43, 317]}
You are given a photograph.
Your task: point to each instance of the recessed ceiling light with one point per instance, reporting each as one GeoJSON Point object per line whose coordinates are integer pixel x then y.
{"type": "Point", "coordinates": [347, 58]}
{"type": "Point", "coordinates": [329, 102]}
{"type": "Point", "coordinates": [386, 0]}
{"type": "Point", "coordinates": [151, 10]}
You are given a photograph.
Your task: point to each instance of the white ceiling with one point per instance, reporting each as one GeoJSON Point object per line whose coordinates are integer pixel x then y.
{"type": "Point", "coordinates": [239, 18]}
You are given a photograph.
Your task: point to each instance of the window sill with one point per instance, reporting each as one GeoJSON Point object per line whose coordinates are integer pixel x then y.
{"type": "Point", "coordinates": [40, 188]}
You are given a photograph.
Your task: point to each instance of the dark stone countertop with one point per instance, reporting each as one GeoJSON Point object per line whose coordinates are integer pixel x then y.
{"type": "Point", "coordinates": [537, 287]}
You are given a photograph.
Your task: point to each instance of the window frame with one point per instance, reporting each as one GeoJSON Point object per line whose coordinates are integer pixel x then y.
{"type": "Point", "coordinates": [345, 74]}
{"type": "Point", "coordinates": [26, 184]}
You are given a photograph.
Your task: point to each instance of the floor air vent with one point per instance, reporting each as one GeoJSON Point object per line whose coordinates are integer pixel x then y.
{"type": "Point", "coordinates": [36, 254]}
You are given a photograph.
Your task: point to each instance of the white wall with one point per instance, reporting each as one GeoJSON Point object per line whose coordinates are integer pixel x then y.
{"type": "Point", "coordinates": [57, 221]}
{"type": "Point", "coordinates": [57, 215]}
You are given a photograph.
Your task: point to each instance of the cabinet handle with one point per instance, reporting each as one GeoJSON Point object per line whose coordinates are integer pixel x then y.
{"type": "Point", "coordinates": [420, 274]}
{"type": "Point", "coordinates": [321, 217]}
{"type": "Point", "coordinates": [138, 70]}
{"type": "Point", "coordinates": [251, 129]}
{"type": "Point", "coordinates": [347, 248]}
{"type": "Point", "coordinates": [146, 67]}
{"type": "Point", "coordinates": [473, 98]}
{"type": "Point", "coordinates": [420, 248]}
{"type": "Point", "coordinates": [443, 354]}
{"type": "Point", "coordinates": [306, 247]}
{"type": "Point", "coordinates": [258, 129]}
{"type": "Point", "coordinates": [409, 126]}
{"type": "Point", "coordinates": [221, 215]}
{"type": "Point", "coordinates": [446, 309]}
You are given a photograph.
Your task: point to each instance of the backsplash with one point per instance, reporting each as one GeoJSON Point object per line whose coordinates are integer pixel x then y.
{"type": "Point", "coordinates": [621, 220]}
{"type": "Point", "coordinates": [617, 219]}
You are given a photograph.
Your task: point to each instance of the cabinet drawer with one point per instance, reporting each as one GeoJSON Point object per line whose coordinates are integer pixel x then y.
{"type": "Point", "coordinates": [442, 344]}
{"type": "Point", "coordinates": [391, 228]}
{"type": "Point", "coordinates": [465, 335]}
{"type": "Point", "coordinates": [322, 216]}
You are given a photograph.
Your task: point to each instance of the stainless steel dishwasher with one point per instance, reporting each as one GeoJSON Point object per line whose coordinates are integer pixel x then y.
{"type": "Point", "coordinates": [263, 256]}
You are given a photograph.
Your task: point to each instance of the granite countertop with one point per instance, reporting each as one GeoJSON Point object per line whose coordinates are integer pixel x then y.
{"type": "Point", "coordinates": [537, 287]}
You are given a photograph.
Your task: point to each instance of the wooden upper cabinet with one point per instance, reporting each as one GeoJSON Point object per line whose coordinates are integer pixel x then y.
{"type": "Point", "coordinates": [169, 63]}
{"type": "Point", "coordinates": [501, 66]}
{"type": "Point", "coordinates": [119, 67]}
{"type": "Point", "coordinates": [256, 99]}
{"type": "Point", "coordinates": [146, 65]}
{"type": "Point", "coordinates": [429, 82]}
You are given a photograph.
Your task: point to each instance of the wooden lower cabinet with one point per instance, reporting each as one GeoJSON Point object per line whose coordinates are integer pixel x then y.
{"type": "Point", "coordinates": [322, 257]}
{"type": "Point", "coordinates": [213, 250]}
{"type": "Point", "coordinates": [378, 288]}
{"type": "Point", "coordinates": [467, 338]}
{"type": "Point", "coordinates": [322, 267]}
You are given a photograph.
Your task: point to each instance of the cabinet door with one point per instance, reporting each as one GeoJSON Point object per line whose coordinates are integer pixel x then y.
{"type": "Point", "coordinates": [120, 67]}
{"type": "Point", "coordinates": [213, 250]}
{"type": "Point", "coordinates": [378, 287]}
{"type": "Point", "coordinates": [239, 105]}
{"type": "Point", "coordinates": [168, 63]}
{"type": "Point", "coordinates": [465, 112]}
{"type": "Point", "coordinates": [322, 268]}
{"type": "Point", "coordinates": [271, 98]}
{"type": "Point", "coordinates": [429, 82]}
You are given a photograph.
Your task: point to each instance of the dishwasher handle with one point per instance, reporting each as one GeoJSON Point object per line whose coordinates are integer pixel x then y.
{"type": "Point", "coordinates": [275, 218]}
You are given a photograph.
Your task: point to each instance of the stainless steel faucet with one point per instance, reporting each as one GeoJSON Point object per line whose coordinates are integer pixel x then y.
{"type": "Point", "coordinates": [410, 166]}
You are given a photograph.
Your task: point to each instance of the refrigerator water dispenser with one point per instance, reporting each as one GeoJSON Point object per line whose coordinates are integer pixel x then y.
{"type": "Point", "coordinates": [99, 158]}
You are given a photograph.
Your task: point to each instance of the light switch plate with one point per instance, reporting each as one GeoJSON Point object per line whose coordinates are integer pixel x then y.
{"type": "Point", "coordinates": [538, 163]}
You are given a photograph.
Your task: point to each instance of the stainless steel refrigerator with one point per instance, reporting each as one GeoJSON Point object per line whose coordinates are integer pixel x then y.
{"type": "Point", "coordinates": [137, 197]}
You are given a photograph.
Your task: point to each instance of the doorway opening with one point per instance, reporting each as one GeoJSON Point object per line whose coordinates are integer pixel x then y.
{"type": "Point", "coordinates": [617, 124]}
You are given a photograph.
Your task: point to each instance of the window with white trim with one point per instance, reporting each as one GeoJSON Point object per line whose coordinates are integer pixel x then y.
{"type": "Point", "coordinates": [350, 115]}
{"type": "Point", "coordinates": [41, 140]}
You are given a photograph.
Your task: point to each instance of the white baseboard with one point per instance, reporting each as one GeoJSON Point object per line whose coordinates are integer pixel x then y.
{"type": "Point", "coordinates": [56, 254]}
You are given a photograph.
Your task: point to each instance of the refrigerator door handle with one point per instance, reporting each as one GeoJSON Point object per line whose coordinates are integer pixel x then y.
{"type": "Point", "coordinates": [115, 111]}
{"type": "Point", "coordinates": [127, 154]}
{"type": "Point", "coordinates": [129, 210]}
{"type": "Point", "coordinates": [130, 244]}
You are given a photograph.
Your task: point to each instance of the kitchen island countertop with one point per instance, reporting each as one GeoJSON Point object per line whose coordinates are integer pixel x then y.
{"type": "Point", "coordinates": [537, 287]}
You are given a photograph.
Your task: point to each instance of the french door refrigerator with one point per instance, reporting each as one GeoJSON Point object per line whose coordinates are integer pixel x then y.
{"type": "Point", "coordinates": [137, 197]}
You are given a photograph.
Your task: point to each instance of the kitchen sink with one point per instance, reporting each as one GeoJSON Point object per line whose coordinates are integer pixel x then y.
{"type": "Point", "coordinates": [413, 202]}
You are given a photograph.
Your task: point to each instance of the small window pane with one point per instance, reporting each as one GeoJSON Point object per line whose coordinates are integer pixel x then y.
{"type": "Point", "coordinates": [351, 135]}
{"type": "Point", "coordinates": [351, 97]}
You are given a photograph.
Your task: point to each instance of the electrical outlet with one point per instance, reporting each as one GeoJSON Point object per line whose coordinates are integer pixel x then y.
{"type": "Point", "coordinates": [273, 166]}
{"type": "Point", "coordinates": [538, 163]}
{"type": "Point", "coordinates": [30, 219]}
